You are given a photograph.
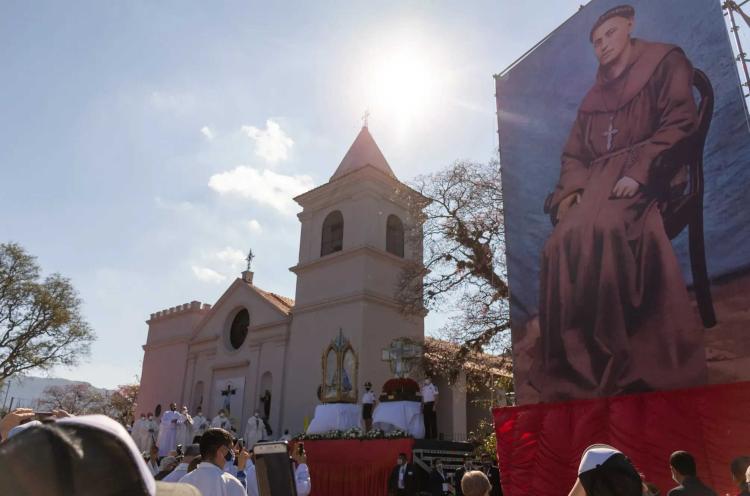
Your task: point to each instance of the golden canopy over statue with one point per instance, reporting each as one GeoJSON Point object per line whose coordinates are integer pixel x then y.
{"type": "Point", "coordinates": [340, 367]}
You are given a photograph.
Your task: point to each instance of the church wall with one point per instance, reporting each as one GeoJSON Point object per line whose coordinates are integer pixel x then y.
{"type": "Point", "coordinates": [311, 333]}
{"type": "Point", "coordinates": [271, 359]}
{"type": "Point", "coordinates": [311, 234]}
{"type": "Point", "coordinates": [165, 355]}
{"type": "Point", "coordinates": [444, 408]}
{"type": "Point", "coordinates": [337, 275]}
{"type": "Point", "coordinates": [162, 376]}
{"type": "Point", "coordinates": [382, 324]}
{"type": "Point", "coordinates": [261, 313]}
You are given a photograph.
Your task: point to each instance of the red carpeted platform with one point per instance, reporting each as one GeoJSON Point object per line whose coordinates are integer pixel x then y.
{"type": "Point", "coordinates": [539, 446]}
{"type": "Point", "coordinates": [349, 468]}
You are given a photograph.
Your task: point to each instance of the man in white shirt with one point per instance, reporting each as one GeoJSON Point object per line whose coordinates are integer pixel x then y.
{"type": "Point", "coordinates": [429, 403]}
{"type": "Point", "coordinates": [209, 477]}
{"type": "Point", "coordinates": [191, 451]}
{"type": "Point", "coordinates": [139, 433]}
{"type": "Point", "coordinates": [368, 404]}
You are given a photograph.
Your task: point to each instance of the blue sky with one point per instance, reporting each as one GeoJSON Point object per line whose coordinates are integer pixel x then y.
{"type": "Point", "coordinates": [145, 146]}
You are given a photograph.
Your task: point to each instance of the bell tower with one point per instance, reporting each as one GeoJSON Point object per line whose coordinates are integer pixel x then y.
{"type": "Point", "coordinates": [355, 240]}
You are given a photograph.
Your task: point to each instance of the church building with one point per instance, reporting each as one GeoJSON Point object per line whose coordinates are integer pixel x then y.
{"type": "Point", "coordinates": [253, 350]}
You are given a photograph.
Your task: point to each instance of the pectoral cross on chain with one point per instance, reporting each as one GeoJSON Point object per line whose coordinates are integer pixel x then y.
{"type": "Point", "coordinates": [610, 133]}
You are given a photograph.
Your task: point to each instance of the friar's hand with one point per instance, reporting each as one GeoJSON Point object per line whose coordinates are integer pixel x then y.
{"type": "Point", "coordinates": [566, 203]}
{"type": "Point", "coordinates": [625, 188]}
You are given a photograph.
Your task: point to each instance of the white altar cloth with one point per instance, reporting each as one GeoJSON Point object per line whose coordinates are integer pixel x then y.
{"type": "Point", "coordinates": [404, 415]}
{"type": "Point", "coordinates": [335, 416]}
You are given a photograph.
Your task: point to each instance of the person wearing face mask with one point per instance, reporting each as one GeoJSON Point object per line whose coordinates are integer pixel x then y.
{"type": "Point", "coordinates": [368, 404]}
{"type": "Point", "coordinates": [439, 483]}
{"type": "Point", "coordinates": [167, 440]}
{"type": "Point", "coordinates": [152, 431]}
{"type": "Point", "coordinates": [254, 430]}
{"type": "Point", "coordinates": [468, 466]}
{"type": "Point", "coordinates": [139, 433]}
{"type": "Point", "coordinates": [493, 474]}
{"type": "Point", "coordinates": [429, 403]}
{"type": "Point", "coordinates": [200, 424]}
{"type": "Point", "coordinates": [216, 448]}
{"type": "Point", "coordinates": [403, 478]}
{"type": "Point", "coordinates": [220, 421]}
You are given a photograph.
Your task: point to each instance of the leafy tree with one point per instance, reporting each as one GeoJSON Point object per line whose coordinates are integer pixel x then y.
{"type": "Point", "coordinates": [122, 403]}
{"type": "Point", "coordinates": [463, 270]}
{"type": "Point", "coordinates": [41, 325]}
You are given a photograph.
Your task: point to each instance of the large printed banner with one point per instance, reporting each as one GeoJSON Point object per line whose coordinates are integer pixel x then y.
{"type": "Point", "coordinates": [626, 178]}
{"type": "Point", "coordinates": [540, 446]}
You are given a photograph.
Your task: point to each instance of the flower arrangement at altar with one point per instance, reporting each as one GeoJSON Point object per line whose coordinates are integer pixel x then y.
{"type": "Point", "coordinates": [401, 389]}
{"type": "Point", "coordinates": [353, 434]}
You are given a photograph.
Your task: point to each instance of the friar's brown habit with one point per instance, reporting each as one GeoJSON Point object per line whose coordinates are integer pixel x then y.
{"type": "Point", "coordinates": [614, 312]}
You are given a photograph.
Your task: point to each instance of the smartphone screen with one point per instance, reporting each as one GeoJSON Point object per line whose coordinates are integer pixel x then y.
{"type": "Point", "coordinates": [274, 469]}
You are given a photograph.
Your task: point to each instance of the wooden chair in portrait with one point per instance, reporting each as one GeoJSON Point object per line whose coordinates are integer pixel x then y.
{"type": "Point", "coordinates": [683, 206]}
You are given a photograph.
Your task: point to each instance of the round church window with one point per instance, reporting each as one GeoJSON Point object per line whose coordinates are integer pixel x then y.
{"type": "Point", "coordinates": [238, 331]}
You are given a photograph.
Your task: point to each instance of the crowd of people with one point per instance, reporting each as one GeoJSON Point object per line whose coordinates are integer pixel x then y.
{"type": "Point", "coordinates": [93, 454]}
{"type": "Point", "coordinates": [175, 428]}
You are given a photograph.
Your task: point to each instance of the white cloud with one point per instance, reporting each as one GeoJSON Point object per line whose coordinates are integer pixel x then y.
{"type": "Point", "coordinates": [208, 133]}
{"type": "Point", "coordinates": [272, 143]}
{"type": "Point", "coordinates": [254, 226]}
{"type": "Point", "coordinates": [208, 275]}
{"type": "Point", "coordinates": [265, 187]}
{"type": "Point", "coordinates": [231, 256]}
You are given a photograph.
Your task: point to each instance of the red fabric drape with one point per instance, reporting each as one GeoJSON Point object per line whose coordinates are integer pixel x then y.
{"type": "Point", "coordinates": [353, 468]}
{"type": "Point", "coordinates": [540, 446]}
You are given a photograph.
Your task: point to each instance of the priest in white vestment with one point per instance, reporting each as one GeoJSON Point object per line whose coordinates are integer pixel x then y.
{"type": "Point", "coordinates": [200, 423]}
{"type": "Point", "coordinates": [152, 431]}
{"type": "Point", "coordinates": [185, 428]}
{"type": "Point", "coordinates": [139, 433]}
{"type": "Point", "coordinates": [167, 440]}
{"type": "Point", "coordinates": [221, 421]}
{"type": "Point", "coordinates": [255, 430]}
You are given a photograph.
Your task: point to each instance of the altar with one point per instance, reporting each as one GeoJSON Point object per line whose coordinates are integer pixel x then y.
{"type": "Point", "coordinates": [405, 416]}
{"type": "Point", "coordinates": [335, 417]}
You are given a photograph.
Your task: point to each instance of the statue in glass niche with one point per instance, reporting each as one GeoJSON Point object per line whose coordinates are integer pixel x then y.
{"type": "Point", "coordinates": [340, 367]}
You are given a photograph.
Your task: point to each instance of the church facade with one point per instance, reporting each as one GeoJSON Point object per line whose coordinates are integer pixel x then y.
{"type": "Point", "coordinates": [254, 350]}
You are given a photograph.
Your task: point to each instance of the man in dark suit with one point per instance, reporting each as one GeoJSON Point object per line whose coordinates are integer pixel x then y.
{"type": "Point", "coordinates": [403, 479]}
{"type": "Point", "coordinates": [459, 474]}
{"type": "Point", "coordinates": [439, 482]}
{"type": "Point", "coordinates": [684, 473]}
{"type": "Point", "coordinates": [493, 474]}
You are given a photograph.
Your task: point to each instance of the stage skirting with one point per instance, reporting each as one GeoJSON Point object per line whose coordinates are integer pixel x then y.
{"type": "Point", "coordinates": [353, 468]}
{"type": "Point", "coordinates": [539, 446]}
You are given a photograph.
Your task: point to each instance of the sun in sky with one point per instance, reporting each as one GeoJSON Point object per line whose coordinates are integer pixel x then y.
{"type": "Point", "coordinates": [403, 78]}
